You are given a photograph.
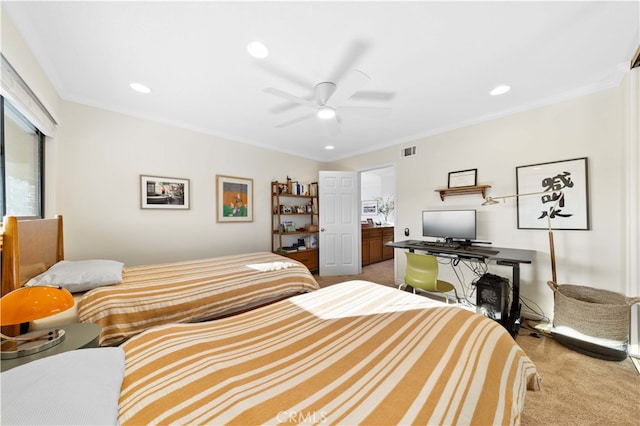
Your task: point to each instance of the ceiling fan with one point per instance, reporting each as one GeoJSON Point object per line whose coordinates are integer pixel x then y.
{"type": "Point", "coordinates": [329, 100]}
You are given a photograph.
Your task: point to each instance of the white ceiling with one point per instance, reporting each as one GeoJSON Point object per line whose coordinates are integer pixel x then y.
{"type": "Point", "coordinates": [433, 63]}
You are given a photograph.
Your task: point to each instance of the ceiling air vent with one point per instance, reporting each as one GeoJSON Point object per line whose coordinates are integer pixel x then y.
{"type": "Point", "coordinates": [407, 152]}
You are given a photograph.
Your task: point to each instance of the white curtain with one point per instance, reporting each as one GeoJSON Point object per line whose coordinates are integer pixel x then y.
{"type": "Point", "coordinates": [14, 89]}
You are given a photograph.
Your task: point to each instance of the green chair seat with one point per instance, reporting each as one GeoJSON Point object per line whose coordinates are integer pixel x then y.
{"type": "Point", "coordinates": [422, 274]}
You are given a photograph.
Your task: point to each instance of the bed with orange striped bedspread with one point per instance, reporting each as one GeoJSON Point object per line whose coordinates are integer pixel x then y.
{"type": "Point", "coordinates": [190, 291]}
{"type": "Point", "coordinates": [352, 353]}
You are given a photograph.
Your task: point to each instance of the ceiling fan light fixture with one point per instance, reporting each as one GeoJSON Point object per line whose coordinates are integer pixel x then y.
{"type": "Point", "coordinates": [257, 50]}
{"type": "Point", "coordinates": [326, 113]}
{"type": "Point", "coordinates": [500, 90]}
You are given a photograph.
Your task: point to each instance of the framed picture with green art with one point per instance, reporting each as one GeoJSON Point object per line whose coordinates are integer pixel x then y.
{"type": "Point", "coordinates": [234, 199]}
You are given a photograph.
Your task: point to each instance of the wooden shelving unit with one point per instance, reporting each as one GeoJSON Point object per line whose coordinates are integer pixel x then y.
{"type": "Point", "coordinates": [464, 190]}
{"type": "Point", "coordinates": [302, 211]}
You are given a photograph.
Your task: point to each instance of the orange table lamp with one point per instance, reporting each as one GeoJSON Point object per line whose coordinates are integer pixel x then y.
{"type": "Point", "coordinates": [28, 304]}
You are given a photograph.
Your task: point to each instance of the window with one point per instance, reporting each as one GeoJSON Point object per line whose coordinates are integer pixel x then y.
{"type": "Point", "coordinates": [21, 164]}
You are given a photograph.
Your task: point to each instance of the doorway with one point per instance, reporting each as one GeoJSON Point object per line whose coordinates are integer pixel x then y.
{"type": "Point", "coordinates": [378, 185]}
{"type": "Point", "coordinates": [377, 218]}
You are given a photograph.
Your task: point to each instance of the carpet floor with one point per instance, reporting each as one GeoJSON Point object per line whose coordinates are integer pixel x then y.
{"type": "Point", "coordinates": [575, 389]}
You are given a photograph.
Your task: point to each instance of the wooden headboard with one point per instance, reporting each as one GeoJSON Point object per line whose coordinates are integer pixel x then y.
{"type": "Point", "coordinates": [29, 247]}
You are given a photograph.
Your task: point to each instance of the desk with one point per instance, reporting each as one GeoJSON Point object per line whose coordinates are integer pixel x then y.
{"type": "Point", "coordinates": [501, 255]}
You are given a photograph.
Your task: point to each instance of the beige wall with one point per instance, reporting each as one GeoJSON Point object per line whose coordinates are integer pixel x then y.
{"type": "Point", "coordinates": [97, 159]}
{"type": "Point", "coordinates": [588, 126]}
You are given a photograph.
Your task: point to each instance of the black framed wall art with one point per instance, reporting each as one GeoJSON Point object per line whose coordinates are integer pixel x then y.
{"type": "Point", "coordinates": [160, 192]}
{"type": "Point", "coordinates": [558, 195]}
{"type": "Point", "coordinates": [463, 178]}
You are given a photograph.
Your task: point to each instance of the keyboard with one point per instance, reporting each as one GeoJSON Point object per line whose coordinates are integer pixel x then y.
{"type": "Point", "coordinates": [441, 244]}
{"type": "Point", "coordinates": [457, 248]}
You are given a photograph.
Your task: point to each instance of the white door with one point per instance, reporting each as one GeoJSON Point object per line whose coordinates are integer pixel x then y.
{"type": "Point", "coordinates": [339, 201]}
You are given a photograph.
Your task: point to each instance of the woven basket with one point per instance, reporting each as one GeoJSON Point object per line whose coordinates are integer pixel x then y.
{"type": "Point", "coordinates": [594, 312]}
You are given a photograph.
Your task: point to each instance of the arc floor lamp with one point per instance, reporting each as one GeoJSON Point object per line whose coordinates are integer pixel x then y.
{"type": "Point", "coordinates": [560, 196]}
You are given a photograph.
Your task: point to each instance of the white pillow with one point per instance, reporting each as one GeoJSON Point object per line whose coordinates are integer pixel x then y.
{"type": "Point", "coordinates": [80, 387]}
{"type": "Point", "coordinates": [80, 275]}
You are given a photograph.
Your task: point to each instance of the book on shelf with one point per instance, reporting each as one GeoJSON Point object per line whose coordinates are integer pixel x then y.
{"type": "Point", "coordinates": [299, 188]}
{"type": "Point", "coordinates": [293, 187]}
{"type": "Point", "coordinates": [287, 249]}
{"type": "Point", "coordinates": [313, 189]}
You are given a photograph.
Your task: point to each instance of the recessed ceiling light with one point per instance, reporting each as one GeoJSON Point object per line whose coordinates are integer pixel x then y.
{"type": "Point", "coordinates": [500, 90]}
{"type": "Point", "coordinates": [257, 50]}
{"type": "Point", "coordinates": [328, 147]}
{"type": "Point", "coordinates": [139, 87]}
{"type": "Point", "coordinates": [326, 113]}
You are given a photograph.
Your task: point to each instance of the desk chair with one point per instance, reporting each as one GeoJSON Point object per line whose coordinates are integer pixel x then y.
{"type": "Point", "coordinates": [422, 274]}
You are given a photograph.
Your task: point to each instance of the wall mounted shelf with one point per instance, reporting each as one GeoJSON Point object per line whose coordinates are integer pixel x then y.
{"type": "Point", "coordinates": [464, 190]}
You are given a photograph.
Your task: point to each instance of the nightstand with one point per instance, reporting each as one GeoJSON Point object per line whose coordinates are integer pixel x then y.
{"type": "Point", "coordinates": [78, 335]}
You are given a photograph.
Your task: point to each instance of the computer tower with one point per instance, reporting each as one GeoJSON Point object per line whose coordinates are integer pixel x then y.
{"type": "Point", "coordinates": [492, 293]}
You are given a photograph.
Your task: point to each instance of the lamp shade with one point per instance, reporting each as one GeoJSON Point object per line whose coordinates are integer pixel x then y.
{"type": "Point", "coordinates": [31, 303]}
{"type": "Point", "coordinates": [489, 201]}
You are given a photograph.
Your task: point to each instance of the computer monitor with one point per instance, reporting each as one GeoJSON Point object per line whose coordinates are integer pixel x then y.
{"type": "Point", "coordinates": [449, 224]}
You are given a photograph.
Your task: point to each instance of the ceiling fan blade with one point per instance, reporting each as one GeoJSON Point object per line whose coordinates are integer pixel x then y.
{"type": "Point", "coordinates": [291, 97]}
{"type": "Point", "coordinates": [281, 71]}
{"type": "Point", "coordinates": [284, 107]}
{"type": "Point", "coordinates": [365, 110]}
{"type": "Point", "coordinates": [353, 55]}
{"type": "Point", "coordinates": [295, 120]}
{"type": "Point", "coordinates": [353, 82]}
{"type": "Point", "coordinates": [364, 95]}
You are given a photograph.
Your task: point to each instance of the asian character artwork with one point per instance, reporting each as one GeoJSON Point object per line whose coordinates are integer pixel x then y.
{"type": "Point", "coordinates": [555, 184]}
{"type": "Point", "coordinates": [563, 202]}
